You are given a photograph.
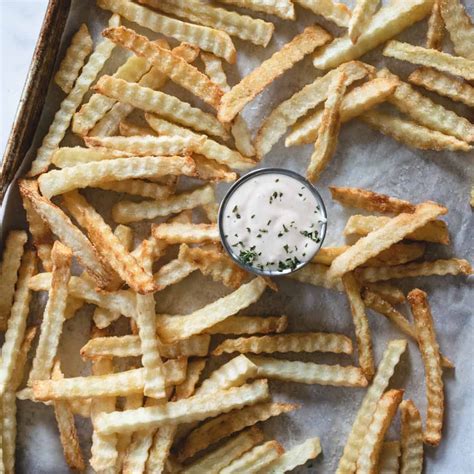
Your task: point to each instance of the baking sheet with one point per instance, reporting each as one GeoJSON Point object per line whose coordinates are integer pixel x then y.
{"type": "Point", "coordinates": [364, 158]}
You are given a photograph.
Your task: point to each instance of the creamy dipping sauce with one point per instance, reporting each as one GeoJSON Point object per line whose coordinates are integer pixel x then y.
{"type": "Point", "coordinates": [272, 222]}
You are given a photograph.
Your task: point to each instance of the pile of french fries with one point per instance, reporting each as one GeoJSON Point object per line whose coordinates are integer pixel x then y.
{"type": "Point", "coordinates": [151, 407]}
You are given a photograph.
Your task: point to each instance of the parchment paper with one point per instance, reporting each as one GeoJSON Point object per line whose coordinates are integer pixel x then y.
{"type": "Point", "coordinates": [364, 158]}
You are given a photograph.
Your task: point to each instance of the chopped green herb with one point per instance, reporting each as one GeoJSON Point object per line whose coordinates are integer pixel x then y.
{"type": "Point", "coordinates": [269, 222]}
{"type": "Point", "coordinates": [248, 229]}
{"type": "Point", "coordinates": [247, 257]}
{"type": "Point", "coordinates": [311, 235]}
{"type": "Point", "coordinates": [252, 216]}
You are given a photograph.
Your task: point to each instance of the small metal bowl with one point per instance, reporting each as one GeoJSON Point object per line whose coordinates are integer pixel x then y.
{"type": "Point", "coordinates": [231, 191]}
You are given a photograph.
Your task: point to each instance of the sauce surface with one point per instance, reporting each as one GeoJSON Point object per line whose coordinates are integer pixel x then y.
{"type": "Point", "coordinates": [272, 222]}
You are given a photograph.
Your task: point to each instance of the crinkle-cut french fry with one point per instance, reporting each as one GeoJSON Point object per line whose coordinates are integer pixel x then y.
{"type": "Point", "coordinates": [81, 46]}
{"type": "Point", "coordinates": [356, 102]}
{"type": "Point", "coordinates": [90, 174]}
{"type": "Point", "coordinates": [391, 293]}
{"type": "Point", "coordinates": [214, 70]}
{"type": "Point", "coordinates": [367, 462]}
{"type": "Point", "coordinates": [249, 325]}
{"type": "Point", "coordinates": [443, 84]}
{"type": "Point", "coordinates": [430, 57]}
{"type": "Point", "coordinates": [412, 134]}
{"type": "Point", "coordinates": [71, 156]}
{"type": "Point", "coordinates": [370, 201]}
{"type": "Point", "coordinates": [208, 39]}
{"type": "Point", "coordinates": [435, 231]}
{"type": "Point", "coordinates": [188, 410]}
{"type": "Point", "coordinates": [296, 456]}
{"type": "Point", "coordinates": [137, 187]}
{"type": "Point", "coordinates": [129, 129]}
{"type": "Point", "coordinates": [12, 253]}
{"type": "Point", "coordinates": [222, 426]}
{"type": "Point", "coordinates": [251, 85]}
{"type": "Point", "coordinates": [451, 266]}
{"type": "Point", "coordinates": [67, 428]}
{"type": "Point", "coordinates": [211, 211]}
{"type": "Point", "coordinates": [257, 31]}
{"type": "Point", "coordinates": [129, 346]}
{"type": "Point", "coordinates": [361, 325]}
{"type": "Point", "coordinates": [174, 328]}
{"type": "Point", "coordinates": [63, 116]}
{"type": "Point", "coordinates": [176, 233]}
{"type": "Point", "coordinates": [428, 113]}
{"type": "Point", "coordinates": [389, 460]}
{"type": "Point", "coordinates": [429, 349]}
{"type": "Point", "coordinates": [122, 301]}
{"type": "Point", "coordinates": [149, 145]}
{"type": "Point", "coordinates": [310, 96]}
{"type": "Point", "coordinates": [255, 460]}
{"type": "Point", "coordinates": [411, 439]}
{"type": "Point", "coordinates": [127, 211]}
{"type": "Point", "coordinates": [215, 461]}
{"type": "Point", "coordinates": [17, 321]}
{"type": "Point", "coordinates": [436, 29]}
{"type": "Point", "coordinates": [209, 148]}
{"type": "Point", "coordinates": [91, 112]}
{"type": "Point", "coordinates": [174, 67]}
{"type": "Point", "coordinates": [390, 20]}
{"type": "Point", "coordinates": [68, 233]}
{"type": "Point", "coordinates": [153, 79]}
{"type": "Point", "coordinates": [361, 17]}
{"type": "Point", "coordinates": [210, 170]}
{"type": "Point", "coordinates": [53, 317]}
{"type": "Point", "coordinates": [215, 264]}
{"type": "Point", "coordinates": [160, 103]}
{"type": "Point", "coordinates": [294, 342]}
{"type": "Point", "coordinates": [329, 9]}
{"type": "Point", "coordinates": [108, 244]}
{"type": "Point", "coordinates": [366, 411]}
{"type": "Point", "coordinates": [459, 26]}
{"type": "Point", "coordinates": [118, 384]}
{"type": "Point", "coordinates": [188, 387]}
{"type": "Point", "coordinates": [317, 275]}
{"type": "Point", "coordinates": [309, 373]}
{"type": "Point", "coordinates": [173, 272]}
{"type": "Point", "coordinates": [281, 8]}
{"type": "Point", "coordinates": [326, 142]}
{"type": "Point", "coordinates": [393, 231]}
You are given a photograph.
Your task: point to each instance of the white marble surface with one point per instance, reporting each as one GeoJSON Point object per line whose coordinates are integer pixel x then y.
{"type": "Point", "coordinates": [20, 23]}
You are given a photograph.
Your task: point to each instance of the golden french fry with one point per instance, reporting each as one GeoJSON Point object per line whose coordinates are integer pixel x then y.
{"type": "Point", "coordinates": [257, 31]}
{"type": "Point", "coordinates": [235, 100]}
{"type": "Point", "coordinates": [174, 328]}
{"type": "Point", "coordinates": [71, 156]}
{"type": "Point", "coordinates": [377, 241]}
{"type": "Point", "coordinates": [208, 39]}
{"type": "Point", "coordinates": [361, 17]}
{"type": "Point", "coordinates": [188, 387]}
{"type": "Point", "coordinates": [249, 325]}
{"type": "Point", "coordinates": [215, 461]}
{"type": "Point", "coordinates": [53, 317]}
{"type": "Point", "coordinates": [411, 439]}
{"type": "Point", "coordinates": [387, 291]}
{"type": "Point", "coordinates": [317, 275]}
{"type": "Point", "coordinates": [356, 102]}
{"type": "Point", "coordinates": [361, 325]}
{"type": "Point", "coordinates": [125, 212]}
{"type": "Point", "coordinates": [309, 373]}
{"type": "Point", "coordinates": [281, 8]}
{"type": "Point", "coordinates": [390, 20]}
{"type": "Point", "coordinates": [329, 9]}
{"type": "Point", "coordinates": [443, 84]}
{"type": "Point", "coordinates": [17, 321]}
{"type": "Point", "coordinates": [430, 57]}
{"type": "Point", "coordinates": [129, 129]}
{"type": "Point", "coordinates": [431, 359]}
{"type": "Point", "coordinates": [90, 174]}
{"type": "Point", "coordinates": [370, 200]}
{"type": "Point", "coordinates": [412, 134]}
{"type": "Point", "coordinates": [222, 426]}
{"type": "Point", "coordinates": [328, 132]}
{"type": "Point", "coordinates": [435, 34]}
{"type": "Point", "coordinates": [68, 106]}
{"type": "Point", "coordinates": [173, 272]}
{"type": "Point", "coordinates": [256, 459]}
{"type": "Point", "coordinates": [175, 233]}
{"type": "Point", "coordinates": [90, 113]}
{"type": "Point", "coordinates": [210, 170]}
{"type": "Point", "coordinates": [366, 411]}
{"type": "Point", "coordinates": [435, 231]}
{"type": "Point", "coordinates": [160, 103]}
{"type": "Point", "coordinates": [137, 187]}
{"type": "Point", "coordinates": [81, 46]}
{"type": "Point", "coordinates": [296, 456]}
{"type": "Point", "coordinates": [295, 342]}
{"type": "Point", "coordinates": [12, 254]}
{"type": "Point", "coordinates": [367, 462]}
{"type": "Point", "coordinates": [389, 459]}
{"type": "Point", "coordinates": [118, 384]}
{"type": "Point", "coordinates": [459, 26]}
